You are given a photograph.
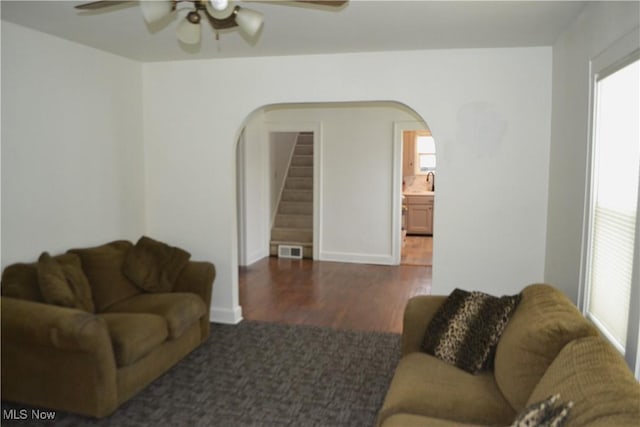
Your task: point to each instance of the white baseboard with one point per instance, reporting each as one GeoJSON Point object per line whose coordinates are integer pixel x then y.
{"type": "Point", "coordinates": [225, 315]}
{"type": "Point", "coordinates": [256, 256]}
{"type": "Point", "coordinates": [356, 258]}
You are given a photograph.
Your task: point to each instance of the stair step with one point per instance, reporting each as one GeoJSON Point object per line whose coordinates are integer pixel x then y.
{"type": "Point", "coordinates": [297, 195]}
{"type": "Point", "coordinates": [295, 208]}
{"type": "Point", "coordinates": [298, 235]}
{"type": "Point", "coordinates": [288, 242]}
{"type": "Point", "coordinates": [293, 221]}
{"type": "Point", "coordinates": [298, 171]}
{"type": "Point", "coordinates": [307, 248]}
{"type": "Point", "coordinates": [303, 160]}
{"type": "Point", "coordinates": [305, 138]}
{"type": "Point", "coordinates": [299, 183]}
{"type": "Point", "coordinates": [303, 150]}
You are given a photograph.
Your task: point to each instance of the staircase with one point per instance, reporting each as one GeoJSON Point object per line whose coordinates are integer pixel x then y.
{"type": "Point", "coordinates": [293, 224]}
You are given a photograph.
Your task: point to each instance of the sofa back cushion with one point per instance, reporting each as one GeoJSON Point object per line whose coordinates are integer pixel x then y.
{"type": "Point", "coordinates": [542, 324]}
{"type": "Point", "coordinates": [26, 281]}
{"type": "Point", "coordinates": [63, 282]}
{"type": "Point", "coordinates": [21, 281]}
{"type": "Point", "coordinates": [590, 373]}
{"type": "Point", "coordinates": [103, 267]}
{"type": "Point", "coordinates": [154, 266]}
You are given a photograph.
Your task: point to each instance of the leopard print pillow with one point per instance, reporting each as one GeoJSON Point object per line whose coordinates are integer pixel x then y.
{"type": "Point", "coordinates": [547, 413]}
{"type": "Point", "coordinates": [465, 330]}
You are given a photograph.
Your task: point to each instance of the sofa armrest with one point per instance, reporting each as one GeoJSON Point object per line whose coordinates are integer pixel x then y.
{"type": "Point", "coordinates": [52, 326]}
{"type": "Point", "coordinates": [56, 357]}
{"type": "Point", "coordinates": [417, 315]}
{"type": "Point", "coordinates": [197, 277]}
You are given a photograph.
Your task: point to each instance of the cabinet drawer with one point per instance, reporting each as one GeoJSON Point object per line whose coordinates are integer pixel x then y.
{"type": "Point", "coordinates": [419, 200]}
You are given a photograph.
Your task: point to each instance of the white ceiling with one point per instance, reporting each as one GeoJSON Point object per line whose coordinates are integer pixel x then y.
{"type": "Point", "coordinates": [289, 29]}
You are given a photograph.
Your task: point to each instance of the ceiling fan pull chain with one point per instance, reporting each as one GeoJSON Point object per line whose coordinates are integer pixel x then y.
{"type": "Point", "coordinates": [217, 36]}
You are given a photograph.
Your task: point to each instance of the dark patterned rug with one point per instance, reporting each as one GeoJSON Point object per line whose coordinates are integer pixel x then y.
{"type": "Point", "coordinates": [262, 374]}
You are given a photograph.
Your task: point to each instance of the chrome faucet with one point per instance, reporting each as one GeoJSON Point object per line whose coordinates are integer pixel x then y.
{"type": "Point", "coordinates": [433, 180]}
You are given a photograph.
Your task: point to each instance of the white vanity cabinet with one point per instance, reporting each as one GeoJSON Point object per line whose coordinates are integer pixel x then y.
{"type": "Point", "coordinates": [419, 214]}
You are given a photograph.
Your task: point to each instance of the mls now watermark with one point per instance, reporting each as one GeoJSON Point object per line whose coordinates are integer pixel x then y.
{"type": "Point", "coordinates": [28, 414]}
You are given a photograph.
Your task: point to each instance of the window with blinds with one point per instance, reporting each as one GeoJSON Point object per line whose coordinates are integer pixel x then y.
{"type": "Point", "coordinates": [610, 275]}
{"type": "Point", "coordinates": [426, 151]}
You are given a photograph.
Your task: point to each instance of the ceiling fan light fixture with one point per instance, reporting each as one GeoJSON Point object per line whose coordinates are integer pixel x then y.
{"type": "Point", "coordinates": [249, 21]}
{"type": "Point", "coordinates": [219, 4]}
{"type": "Point", "coordinates": [154, 10]}
{"type": "Point", "coordinates": [188, 30]}
{"type": "Point", "coordinates": [221, 14]}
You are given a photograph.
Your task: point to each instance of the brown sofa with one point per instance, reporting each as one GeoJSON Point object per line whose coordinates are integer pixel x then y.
{"type": "Point", "coordinates": [91, 361]}
{"type": "Point", "coordinates": [547, 348]}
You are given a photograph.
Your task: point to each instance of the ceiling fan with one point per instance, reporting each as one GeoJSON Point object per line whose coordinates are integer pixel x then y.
{"type": "Point", "coordinates": [221, 14]}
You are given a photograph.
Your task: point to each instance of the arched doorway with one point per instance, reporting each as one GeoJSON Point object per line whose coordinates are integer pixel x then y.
{"type": "Point", "coordinates": [356, 179]}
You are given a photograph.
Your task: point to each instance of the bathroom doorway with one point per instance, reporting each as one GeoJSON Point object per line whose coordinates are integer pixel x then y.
{"type": "Point", "coordinates": [418, 197]}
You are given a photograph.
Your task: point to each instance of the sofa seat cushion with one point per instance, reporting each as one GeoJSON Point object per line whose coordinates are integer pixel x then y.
{"type": "Point", "coordinates": [179, 309]}
{"type": "Point", "coordinates": [425, 385]}
{"type": "Point", "coordinates": [542, 324]}
{"type": "Point", "coordinates": [590, 373]}
{"type": "Point", "coordinates": [410, 420]}
{"type": "Point", "coordinates": [134, 335]}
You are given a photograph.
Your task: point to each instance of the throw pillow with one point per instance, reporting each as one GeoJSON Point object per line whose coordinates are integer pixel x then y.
{"type": "Point", "coordinates": [154, 266]}
{"type": "Point", "coordinates": [465, 330]}
{"type": "Point", "coordinates": [53, 283]}
{"type": "Point", "coordinates": [78, 282]}
{"type": "Point", "coordinates": [62, 282]}
{"type": "Point", "coordinates": [546, 413]}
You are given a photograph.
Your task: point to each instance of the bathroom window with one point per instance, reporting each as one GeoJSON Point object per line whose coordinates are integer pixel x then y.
{"type": "Point", "coordinates": [611, 264]}
{"type": "Point", "coordinates": [426, 154]}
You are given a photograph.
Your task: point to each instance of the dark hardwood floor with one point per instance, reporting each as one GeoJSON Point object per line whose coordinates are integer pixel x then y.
{"type": "Point", "coordinates": [338, 295]}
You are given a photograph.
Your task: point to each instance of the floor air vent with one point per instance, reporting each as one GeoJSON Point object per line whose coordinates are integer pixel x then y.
{"type": "Point", "coordinates": [288, 251]}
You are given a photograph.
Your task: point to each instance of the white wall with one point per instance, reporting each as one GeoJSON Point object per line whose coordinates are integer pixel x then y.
{"type": "Point", "coordinates": [72, 155]}
{"type": "Point", "coordinates": [597, 27]}
{"type": "Point", "coordinates": [488, 109]}
{"type": "Point", "coordinates": [253, 188]}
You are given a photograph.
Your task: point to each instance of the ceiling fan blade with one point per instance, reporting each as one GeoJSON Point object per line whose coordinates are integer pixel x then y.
{"type": "Point", "coordinates": [100, 4]}
{"type": "Point", "coordinates": [336, 3]}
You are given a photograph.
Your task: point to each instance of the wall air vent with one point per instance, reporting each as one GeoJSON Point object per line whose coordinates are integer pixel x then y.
{"type": "Point", "coordinates": [289, 251]}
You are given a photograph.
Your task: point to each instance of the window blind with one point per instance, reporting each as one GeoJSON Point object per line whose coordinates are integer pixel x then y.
{"type": "Point", "coordinates": [615, 202]}
{"type": "Point", "coordinates": [611, 269]}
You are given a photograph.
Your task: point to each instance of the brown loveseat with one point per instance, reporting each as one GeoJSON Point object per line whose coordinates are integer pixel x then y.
{"type": "Point", "coordinates": [547, 348]}
{"type": "Point", "coordinates": [92, 358]}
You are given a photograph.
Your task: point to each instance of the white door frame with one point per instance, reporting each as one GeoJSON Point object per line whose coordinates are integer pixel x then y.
{"type": "Point", "coordinates": [396, 193]}
{"type": "Point", "coordinates": [316, 129]}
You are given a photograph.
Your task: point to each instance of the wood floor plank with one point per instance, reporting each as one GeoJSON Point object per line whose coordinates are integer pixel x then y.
{"type": "Point", "coordinates": [417, 250]}
{"type": "Point", "coordinates": [338, 295]}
